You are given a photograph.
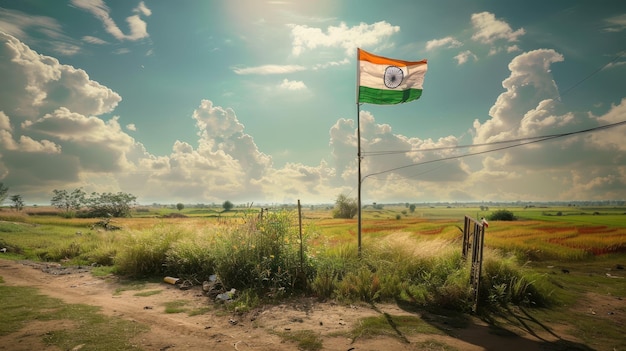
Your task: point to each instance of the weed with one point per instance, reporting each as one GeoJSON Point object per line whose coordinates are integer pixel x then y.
{"type": "Point", "coordinates": [177, 306]}
{"type": "Point", "coordinates": [307, 340]}
{"type": "Point", "coordinates": [148, 293]}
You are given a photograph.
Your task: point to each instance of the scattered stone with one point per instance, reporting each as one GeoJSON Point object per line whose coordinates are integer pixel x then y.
{"type": "Point", "coordinates": [186, 285]}
{"type": "Point", "coordinates": [147, 307]}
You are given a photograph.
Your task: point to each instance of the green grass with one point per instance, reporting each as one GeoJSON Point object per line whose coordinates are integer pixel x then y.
{"type": "Point", "coordinates": [88, 325]}
{"type": "Point", "coordinates": [148, 293]}
{"type": "Point", "coordinates": [177, 306]}
{"type": "Point", "coordinates": [306, 340]}
{"type": "Point", "coordinates": [393, 326]}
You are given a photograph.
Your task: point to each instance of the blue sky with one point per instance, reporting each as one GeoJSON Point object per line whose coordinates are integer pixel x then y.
{"type": "Point", "coordinates": [205, 101]}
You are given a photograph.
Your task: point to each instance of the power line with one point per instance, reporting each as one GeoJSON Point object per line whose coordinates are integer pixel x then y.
{"type": "Point", "coordinates": [539, 138]}
{"type": "Point", "coordinates": [529, 141]}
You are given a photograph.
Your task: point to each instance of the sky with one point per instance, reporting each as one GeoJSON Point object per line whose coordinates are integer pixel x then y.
{"type": "Point", "coordinates": [255, 101]}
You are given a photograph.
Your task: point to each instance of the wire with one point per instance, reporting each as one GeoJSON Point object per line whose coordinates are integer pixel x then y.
{"type": "Point", "coordinates": [383, 153]}
{"type": "Point", "coordinates": [534, 140]}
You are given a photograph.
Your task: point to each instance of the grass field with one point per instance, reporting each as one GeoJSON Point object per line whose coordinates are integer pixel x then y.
{"type": "Point", "coordinates": [410, 256]}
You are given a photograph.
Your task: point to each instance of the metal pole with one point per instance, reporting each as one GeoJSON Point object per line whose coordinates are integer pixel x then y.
{"type": "Point", "coordinates": [358, 137]}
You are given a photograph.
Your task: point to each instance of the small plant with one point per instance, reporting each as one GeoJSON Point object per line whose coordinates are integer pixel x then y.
{"type": "Point", "coordinates": [307, 340]}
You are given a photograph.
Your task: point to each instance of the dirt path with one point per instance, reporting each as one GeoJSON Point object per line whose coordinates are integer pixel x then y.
{"type": "Point", "coordinates": [252, 331]}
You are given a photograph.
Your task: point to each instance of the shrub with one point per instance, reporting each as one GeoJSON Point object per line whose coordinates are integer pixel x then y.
{"type": "Point", "coordinates": [502, 215]}
{"type": "Point", "coordinates": [143, 253]}
{"type": "Point", "coordinates": [264, 255]}
{"type": "Point", "coordinates": [345, 207]}
{"type": "Point", "coordinates": [505, 282]}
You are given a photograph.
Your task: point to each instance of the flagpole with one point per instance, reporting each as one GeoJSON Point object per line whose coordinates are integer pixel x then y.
{"type": "Point", "coordinates": [358, 153]}
{"type": "Point", "coordinates": [358, 137]}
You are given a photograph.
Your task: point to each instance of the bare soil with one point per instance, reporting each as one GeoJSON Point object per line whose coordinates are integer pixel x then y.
{"type": "Point", "coordinates": [255, 330]}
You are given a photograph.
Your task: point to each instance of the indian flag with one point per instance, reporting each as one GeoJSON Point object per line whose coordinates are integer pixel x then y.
{"type": "Point", "coordinates": [386, 81]}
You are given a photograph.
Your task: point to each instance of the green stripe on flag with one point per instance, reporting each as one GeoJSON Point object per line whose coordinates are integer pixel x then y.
{"type": "Point", "coordinates": [387, 97]}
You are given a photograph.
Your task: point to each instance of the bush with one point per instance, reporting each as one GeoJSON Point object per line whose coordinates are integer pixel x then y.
{"type": "Point", "coordinates": [502, 215]}
{"type": "Point", "coordinates": [264, 255]}
{"type": "Point", "coordinates": [505, 282]}
{"type": "Point", "coordinates": [345, 207]}
{"type": "Point", "coordinates": [142, 254]}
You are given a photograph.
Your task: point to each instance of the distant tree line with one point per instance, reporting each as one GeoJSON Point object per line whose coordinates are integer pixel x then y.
{"type": "Point", "coordinates": [78, 203]}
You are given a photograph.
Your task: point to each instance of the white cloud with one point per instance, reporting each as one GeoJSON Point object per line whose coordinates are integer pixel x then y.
{"type": "Point", "coordinates": [269, 69]}
{"type": "Point", "coordinates": [529, 84]}
{"type": "Point", "coordinates": [221, 131]}
{"type": "Point", "coordinates": [513, 48]}
{"type": "Point", "coordinates": [465, 56]}
{"type": "Point", "coordinates": [5, 123]}
{"type": "Point", "coordinates": [93, 40]}
{"type": "Point", "coordinates": [39, 84]}
{"type": "Point", "coordinates": [488, 29]}
{"type": "Point", "coordinates": [318, 66]}
{"type": "Point", "coordinates": [138, 27]}
{"type": "Point", "coordinates": [142, 9]}
{"type": "Point", "coordinates": [447, 42]}
{"type": "Point", "coordinates": [579, 167]}
{"type": "Point", "coordinates": [132, 127]}
{"type": "Point", "coordinates": [15, 23]}
{"type": "Point", "coordinates": [344, 37]}
{"type": "Point", "coordinates": [21, 26]}
{"type": "Point", "coordinates": [616, 23]}
{"type": "Point", "coordinates": [292, 85]}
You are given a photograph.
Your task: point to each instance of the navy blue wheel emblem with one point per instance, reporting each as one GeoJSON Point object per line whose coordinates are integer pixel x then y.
{"type": "Point", "coordinates": [393, 77]}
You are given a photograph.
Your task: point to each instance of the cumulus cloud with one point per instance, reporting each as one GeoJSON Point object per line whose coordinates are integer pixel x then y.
{"type": "Point", "coordinates": [578, 167]}
{"type": "Point", "coordinates": [528, 87]}
{"type": "Point", "coordinates": [138, 27]}
{"type": "Point", "coordinates": [447, 42]}
{"type": "Point", "coordinates": [221, 131]}
{"type": "Point", "coordinates": [488, 29]}
{"type": "Point", "coordinates": [465, 56]}
{"type": "Point", "coordinates": [292, 85]}
{"type": "Point", "coordinates": [344, 37]}
{"type": "Point", "coordinates": [402, 174]}
{"type": "Point", "coordinates": [40, 84]}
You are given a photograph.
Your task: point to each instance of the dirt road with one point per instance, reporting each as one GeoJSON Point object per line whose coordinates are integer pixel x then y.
{"type": "Point", "coordinates": [251, 331]}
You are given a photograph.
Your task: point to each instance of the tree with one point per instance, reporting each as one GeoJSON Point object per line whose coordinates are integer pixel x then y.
{"type": "Point", "coordinates": [345, 207]}
{"type": "Point", "coordinates": [412, 208]}
{"type": "Point", "coordinates": [180, 206]}
{"type": "Point", "coordinates": [18, 203]}
{"type": "Point", "coordinates": [68, 202]}
{"type": "Point", "coordinates": [227, 205]}
{"type": "Point", "coordinates": [110, 205]}
{"type": "Point", "coordinates": [502, 215]}
{"type": "Point", "coordinates": [4, 192]}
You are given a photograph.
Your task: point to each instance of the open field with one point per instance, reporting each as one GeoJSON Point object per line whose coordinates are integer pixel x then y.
{"type": "Point", "coordinates": [570, 260]}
